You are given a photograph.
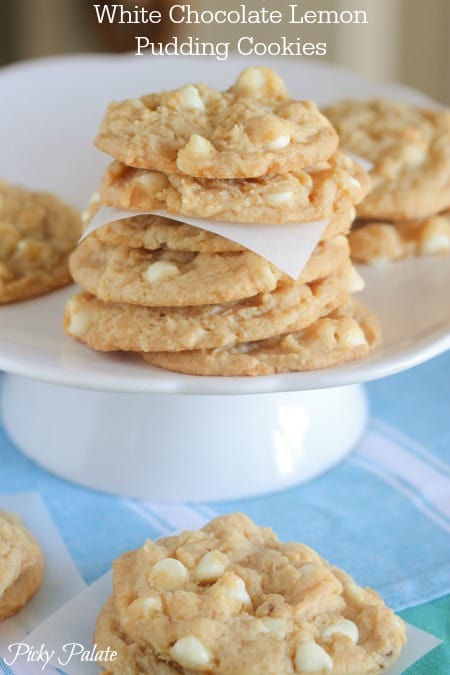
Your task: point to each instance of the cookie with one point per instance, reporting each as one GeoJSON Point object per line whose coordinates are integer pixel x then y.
{"type": "Point", "coordinates": [37, 234]}
{"type": "Point", "coordinates": [311, 194]}
{"type": "Point", "coordinates": [21, 565]}
{"type": "Point", "coordinates": [378, 242]}
{"type": "Point", "coordinates": [231, 599]}
{"type": "Point", "coordinates": [111, 327]}
{"type": "Point", "coordinates": [410, 148]}
{"type": "Point", "coordinates": [130, 658]}
{"type": "Point", "coordinates": [253, 128]}
{"type": "Point", "coordinates": [166, 278]}
{"type": "Point", "coordinates": [346, 334]}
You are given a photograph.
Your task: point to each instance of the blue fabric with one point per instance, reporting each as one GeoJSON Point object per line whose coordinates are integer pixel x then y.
{"type": "Point", "coordinates": [383, 514]}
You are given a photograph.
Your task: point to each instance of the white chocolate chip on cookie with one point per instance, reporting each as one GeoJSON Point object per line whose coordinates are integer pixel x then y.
{"type": "Point", "coordinates": [198, 145]}
{"type": "Point", "coordinates": [152, 181]}
{"type": "Point", "coordinates": [160, 271]}
{"type": "Point", "coordinates": [190, 652]}
{"type": "Point", "coordinates": [168, 573]}
{"type": "Point", "coordinates": [80, 320]}
{"type": "Point", "coordinates": [277, 628]}
{"type": "Point", "coordinates": [311, 657]}
{"type": "Point", "coordinates": [146, 607]}
{"type": "Point", "coordinates": [278, 198]}
{"type": "Point", "coordinates": [190, 98]}
{"type": "Point", "coordinates": [236, 589]}
{"type": "Point", "coordinates": [212, 566]}
{"type": "Point", "coordinates": [282, 141]}
{"type": "Point", "coordinates": [345, 627]}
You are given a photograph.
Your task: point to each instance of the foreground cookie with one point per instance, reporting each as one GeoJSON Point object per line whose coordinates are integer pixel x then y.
{"type": "Point", "coordinates": [167, 278]}
{"type": "Point", "coordinates": [410, 148]}
{"type": "Point", "coordinates": [111, 327]}
{"type": "Point", "coordinates": [378, 242]}
{"type": "Point", "coordinates": [37, 234]}
{"type": "Point", "coordinates": [330, 187]}
{"type": "Point", "coordinates": [346, 334]}
{"type": "Point", "coordinates": [250, 130]}
{"type": "Point", "coordinates": [21, 565]}
{"type": "Point", "coordinates": [231, 599]}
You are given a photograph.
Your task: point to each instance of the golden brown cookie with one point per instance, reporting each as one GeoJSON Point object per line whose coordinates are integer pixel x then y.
{"type": "Point", "coordinates": [130, 658]}
{"type": "Point", "coordinates": [250, 130]}
{"type": "Point", "coordinates": [166, 278]}
{"type": "Point", "coordinates": [231, 599]}
{"type": "Point", "coordinates": [21, 565]}
{"type": "Point", "coordinates": [37, 234]}
{"type": "Point", "coordinates": [346, 334]}
{"type": "Point", "coordinates": [111, 327]}
{"type": "Point", "coordinates": [311, 194]}
{"type": "Point", "coordinates": [378, 242]}
{"type": "Point", "coordinates": [410, 148]}
{"type": "Point", "coordinates": [155, 232]}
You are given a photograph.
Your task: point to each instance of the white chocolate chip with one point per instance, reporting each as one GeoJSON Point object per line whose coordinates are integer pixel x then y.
{"type": "Point", "coordinates": [136, 103]}
{"type": "Point", "coordinates": [356, 593]}
{"type": "Point", "coordinates": [79, 322]}
{"type": "Point", "coordinates": [353, 336]}
{"type": "Point", "coordinates": [278, 198]}
{"type": "Point", "coordinates": [146, 606]}
{"type": "Point", "coordinates": [356, 282]}
{"type": "Point", "coordinates": [308, 568]}
{"type": "Point", "coordinates": [236, 589]}
{"type": "Point", "coordinates": [189, 652]}
{"type": "Point", "coordinates": [414, 156]}
{"type": "Point", "coordinates": [169, 573]}
{"type": "Point", "coordinates": [161, 270]}
{"type": "Point", "coordinates": [311, 657]}
{"type": "Point", "coordinates": [355, 183]}
{"type": "Point", "coordinates": [278, 143]}
{"type": "Point", "coordinates": [253, 78]}
{"type": "Point", "coordinates": [198, 145]}
{"type": "Point", "coordinates": [344, 626]}
{"type": "Point", "coordinates": [211, 567]}
{"type": "Point", "coordinates": [190, 98]}
{"type": "Point", "coordinates": [435, 243]}
{"type": "Point", "coordinates": [152, 181]}
{"type": "Point", "coordinates": [276, 628]}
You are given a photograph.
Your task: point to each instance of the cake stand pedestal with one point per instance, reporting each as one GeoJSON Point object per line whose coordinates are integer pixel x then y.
{"type": "Point", "coordinates": [182, 447]}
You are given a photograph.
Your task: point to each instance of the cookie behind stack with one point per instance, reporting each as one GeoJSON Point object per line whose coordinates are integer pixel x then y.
{"type": "Point", "coordinates": [199, 303]}
{"type": "Point", "coordinates": [408, 211]}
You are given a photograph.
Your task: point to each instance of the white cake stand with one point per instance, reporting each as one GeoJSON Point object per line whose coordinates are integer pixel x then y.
{"type": "Point", "coordinates": [112, 422]}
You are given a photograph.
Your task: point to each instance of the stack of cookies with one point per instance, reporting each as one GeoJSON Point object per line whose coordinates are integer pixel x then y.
{"type": "Point", "coordinates": [231, 599]}
{"type": "Point", "coordinates": [408, 211]}
{"type": "Point", "coordinates": [196, 302]}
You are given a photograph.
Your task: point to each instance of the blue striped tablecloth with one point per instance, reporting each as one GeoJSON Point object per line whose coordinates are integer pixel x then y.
{"type": "Point", "coordinates": [383, 514]}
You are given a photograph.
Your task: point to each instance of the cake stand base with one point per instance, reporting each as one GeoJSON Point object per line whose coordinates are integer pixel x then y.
{"type": "Point", "coordinates": [182, 447]}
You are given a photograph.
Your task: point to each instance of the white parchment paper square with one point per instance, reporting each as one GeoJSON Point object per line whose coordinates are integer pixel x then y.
{"type": "Point", "coordinates": [288, 246]}
{"type": "Point", "coordinates": [75, 623]}
{"type": "Point", "coordinates": [62, 580]}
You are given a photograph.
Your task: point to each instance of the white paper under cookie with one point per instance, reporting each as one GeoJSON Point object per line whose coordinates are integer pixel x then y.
{"type": "Point", "coordinates": [75, 623]}
{"type": "Point", "coordinates": [288, 246]}
{"type": "Point", "coordinates": [62, 580]}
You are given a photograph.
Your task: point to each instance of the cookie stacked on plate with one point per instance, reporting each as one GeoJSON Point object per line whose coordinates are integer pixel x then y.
{"type": "Point", "coordinates": [407, 212]}
{"type": "Point", "coordinates": [231, 599]}
{"type": "Point", "coordinates": [194, 301]}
